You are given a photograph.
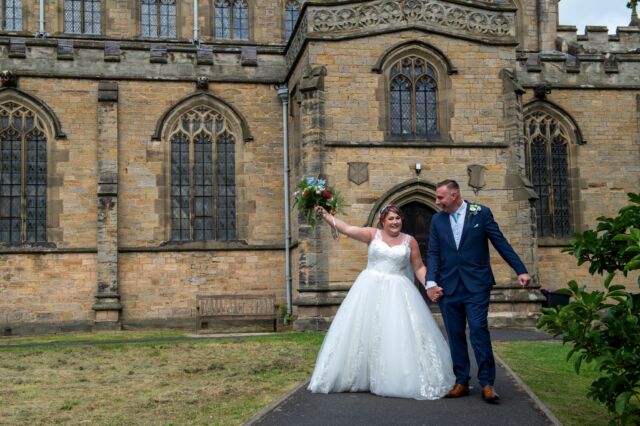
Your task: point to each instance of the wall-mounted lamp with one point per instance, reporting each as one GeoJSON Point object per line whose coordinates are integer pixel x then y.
{"type": "Point", "coordinates": [418, 168]}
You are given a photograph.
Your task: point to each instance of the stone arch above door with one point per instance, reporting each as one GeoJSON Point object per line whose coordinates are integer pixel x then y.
{"type": "Point", "coordinates": [412, 190]}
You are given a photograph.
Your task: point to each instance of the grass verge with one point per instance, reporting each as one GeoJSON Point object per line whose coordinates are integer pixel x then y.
{"type": "Point", "coordinates": [209, 381]}
{"type": "Point", "coordinates": [543, 367]}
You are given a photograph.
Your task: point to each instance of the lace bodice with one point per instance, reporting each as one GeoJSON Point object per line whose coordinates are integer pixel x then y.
{"type": "Point", "coordinates": [388, 259]}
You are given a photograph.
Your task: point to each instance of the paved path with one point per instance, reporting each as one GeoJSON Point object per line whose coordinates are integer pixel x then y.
{"type": "Point", "coordinates": [517, 407]}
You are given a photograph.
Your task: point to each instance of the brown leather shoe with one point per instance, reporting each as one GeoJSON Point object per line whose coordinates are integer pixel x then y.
{"type": "Point", "coordinates": [490, 395]}
{"type": "Point", "coordinates": [460, 389]}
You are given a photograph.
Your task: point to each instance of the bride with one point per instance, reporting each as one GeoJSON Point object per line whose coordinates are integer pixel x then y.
{"type": "Point", "coordinates": [383, 338]}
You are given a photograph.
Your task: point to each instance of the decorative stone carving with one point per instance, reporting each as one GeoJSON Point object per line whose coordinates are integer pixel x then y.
{"type": "Point", "coordinates": [610, 64]}
{"type": "Point", "coordinates": [8, 78]}
{"type": "Point", "coordinates": [202, 83]}
{"type": "Point", "coordinates": [297, 42]}
{"type": "Point", "coordinates": [345, 20]}
{"type": "Point", "coordinates": [358, 172]}
{"type": "Point", "coordinates": [314, 80]}
{"type": "Point", "coordinates": [432, 13]}
{"type": "Point", "coordinates": [542, 90]}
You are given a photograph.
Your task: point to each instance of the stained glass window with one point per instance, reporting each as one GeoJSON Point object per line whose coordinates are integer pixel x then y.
{"type": "Point", "coordinates": [158, 18]}
{"type": "Point", "coordinates": [231, 20]}
{"type": "Point", "coordinates": [82, 16]}
{"type": "Point", "coordinates": [23, 176]}
{"type": "Point", "coordinates": [12, 15]}
{"type": "Point", "coordinates": [548, 167]}
{"type": "Point", "coordinates": [413, 98]}
{"type": "Point", "coordinates": [203, 186]}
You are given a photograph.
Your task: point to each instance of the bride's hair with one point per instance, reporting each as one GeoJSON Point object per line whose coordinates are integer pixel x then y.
{"type": "Point", "coordinates": [389, 208]}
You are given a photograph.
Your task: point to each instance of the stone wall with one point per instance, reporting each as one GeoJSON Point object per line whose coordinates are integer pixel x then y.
{"type": "Point", "coordinates": [113, 93]}
{"type": "Point", "coordinates": [44, 292]}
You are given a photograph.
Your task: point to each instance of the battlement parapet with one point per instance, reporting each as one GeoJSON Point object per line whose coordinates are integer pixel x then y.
{"type": "Point", "coordinates": [597, 39]}
{"type": "Point", "coordinates": [584, 70]}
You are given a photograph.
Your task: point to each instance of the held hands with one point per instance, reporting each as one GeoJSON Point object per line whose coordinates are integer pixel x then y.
{"type": "Point", "coordinates": [524, 279]}
{"type": "Point", "coordinates": [434, 293]}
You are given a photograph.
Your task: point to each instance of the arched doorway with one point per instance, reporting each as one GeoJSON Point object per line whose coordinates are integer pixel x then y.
{"type": "Point", "coordinates": [417, 220]}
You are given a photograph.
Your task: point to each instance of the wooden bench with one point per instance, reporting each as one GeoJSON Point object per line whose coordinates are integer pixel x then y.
{"type": "Point", "coordinates": [234, 307]}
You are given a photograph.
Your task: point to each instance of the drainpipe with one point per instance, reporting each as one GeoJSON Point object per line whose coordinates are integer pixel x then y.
{"type": "Point", "coordinates": [539, 8]}
{"type": "Point", "coordinates": [283, 94]}
{"type": "Point", "coordinates": [196, 36]}
{"type": "Point", "coordinates": [41, 33]}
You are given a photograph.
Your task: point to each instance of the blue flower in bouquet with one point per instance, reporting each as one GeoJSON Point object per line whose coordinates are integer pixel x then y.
{"type": "Point", "coordinates": [313, 192]}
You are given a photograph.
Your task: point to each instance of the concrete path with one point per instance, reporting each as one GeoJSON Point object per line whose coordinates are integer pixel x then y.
{"type": "Point", "coordinates": [517, 406]}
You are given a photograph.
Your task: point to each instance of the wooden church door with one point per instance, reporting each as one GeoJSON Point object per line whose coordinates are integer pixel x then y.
{"type": "Point", "coordinates": [417, 220]}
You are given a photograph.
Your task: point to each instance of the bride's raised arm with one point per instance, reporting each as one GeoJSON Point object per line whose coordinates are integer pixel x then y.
{"type": "Point", "coordinates": [416, 261]}
{"type": "Point", "coordinates": [359, 233]}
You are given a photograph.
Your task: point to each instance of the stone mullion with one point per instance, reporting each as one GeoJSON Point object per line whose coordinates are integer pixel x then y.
{"type": "Point", "coordinates": [107, 307]}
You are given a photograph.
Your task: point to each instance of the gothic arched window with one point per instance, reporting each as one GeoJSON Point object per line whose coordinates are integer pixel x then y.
{"type": "Point", "coordinates": [203, 186]}
{"type": "Point", "coordinates": [82, 16]}
{"type": "Point", "coordinates": [291, 15]}
{"type": "Point", "coordinates": [231, 20]}
{"type": "Point", "coordinates": [23, 176]}
{"type": "Point", "coordinates": [12, 15]}
{"type": "Point", "coordinates": [548, 145]}
{"type": "Point", "coordinates": [413, 94]}
{"type": "Point", "coordinates": [158, 18]}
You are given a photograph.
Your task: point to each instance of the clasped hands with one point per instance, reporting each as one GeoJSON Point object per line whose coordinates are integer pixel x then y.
{"type": "Point", "coordinates": [434, 293]}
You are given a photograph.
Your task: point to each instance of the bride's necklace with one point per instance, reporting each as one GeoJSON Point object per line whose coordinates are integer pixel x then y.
{"type": "Point", "coordinates": [392, 237]}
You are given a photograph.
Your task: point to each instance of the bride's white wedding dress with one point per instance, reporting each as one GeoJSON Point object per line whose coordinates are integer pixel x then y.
{"type": "Point", "coordinates": [383, 338]}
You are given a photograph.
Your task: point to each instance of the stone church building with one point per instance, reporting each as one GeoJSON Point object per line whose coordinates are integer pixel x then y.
{"type": "Point", "coordinates": [150, 148]}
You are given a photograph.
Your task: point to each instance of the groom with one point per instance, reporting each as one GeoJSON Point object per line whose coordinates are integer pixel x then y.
{"type": "Point", "coordinates": [459, 277]}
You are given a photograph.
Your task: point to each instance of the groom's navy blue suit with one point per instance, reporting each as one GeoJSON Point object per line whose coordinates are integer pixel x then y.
{"type": "Point", "coordinates": [465, 275]}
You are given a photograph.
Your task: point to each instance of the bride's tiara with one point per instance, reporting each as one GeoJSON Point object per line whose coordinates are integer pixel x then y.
{"type": "Point", "coordinates": [385, 208]}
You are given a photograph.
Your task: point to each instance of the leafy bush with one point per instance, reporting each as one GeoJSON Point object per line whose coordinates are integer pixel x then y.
{"type": "Point", "coordinates": [603, 326]}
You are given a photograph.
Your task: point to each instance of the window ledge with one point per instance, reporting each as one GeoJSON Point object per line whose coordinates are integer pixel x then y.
{"type": "Point", "coordinates": [45, 248]}
{"type": "Point", "coordinates": [236, 245]}
{"type": "Point", "coordinates": [553, 242]}
{"type": "Point", "coordinates": [425, 143]}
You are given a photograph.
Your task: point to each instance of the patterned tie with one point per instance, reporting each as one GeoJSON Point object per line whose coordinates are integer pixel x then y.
{"type": "Point", "coordinates": [457, 231]}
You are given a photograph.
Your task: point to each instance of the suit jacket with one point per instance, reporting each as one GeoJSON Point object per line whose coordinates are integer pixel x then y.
{"type": "Point", "coordinates": [469, 263]}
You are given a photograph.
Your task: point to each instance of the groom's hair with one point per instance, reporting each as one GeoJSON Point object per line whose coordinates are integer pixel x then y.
{"type": "Point", "coordinates": [450, 184]}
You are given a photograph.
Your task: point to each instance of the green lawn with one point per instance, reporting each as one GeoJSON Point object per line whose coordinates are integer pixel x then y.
{"type": "Point", "coordinates": [543, 367]}
{"type": "Point", "coordinates": [216, 381]}
{"type": "Point", "coordinates": [203, 381]}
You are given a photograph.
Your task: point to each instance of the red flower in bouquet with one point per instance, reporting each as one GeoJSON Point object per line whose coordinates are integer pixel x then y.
{"type": "Point", "coordinates": [313, 192]}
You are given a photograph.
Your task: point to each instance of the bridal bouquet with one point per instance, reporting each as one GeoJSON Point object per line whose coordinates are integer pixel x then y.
{"type": "Point", "coordinates": [314, 192]}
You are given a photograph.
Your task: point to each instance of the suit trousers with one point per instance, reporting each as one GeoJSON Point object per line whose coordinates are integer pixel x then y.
{"type": "Point", "coordinates": [457, 309]}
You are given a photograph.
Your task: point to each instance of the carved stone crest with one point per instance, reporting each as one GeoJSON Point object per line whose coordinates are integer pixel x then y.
{"type": "Point", "coordinates": [476, 177]}
{"type": "Point", "coordinates": [358, 172]}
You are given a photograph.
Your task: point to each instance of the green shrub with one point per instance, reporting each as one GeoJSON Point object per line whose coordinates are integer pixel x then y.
{"type": "Point", "coordinates": [603, 325]}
